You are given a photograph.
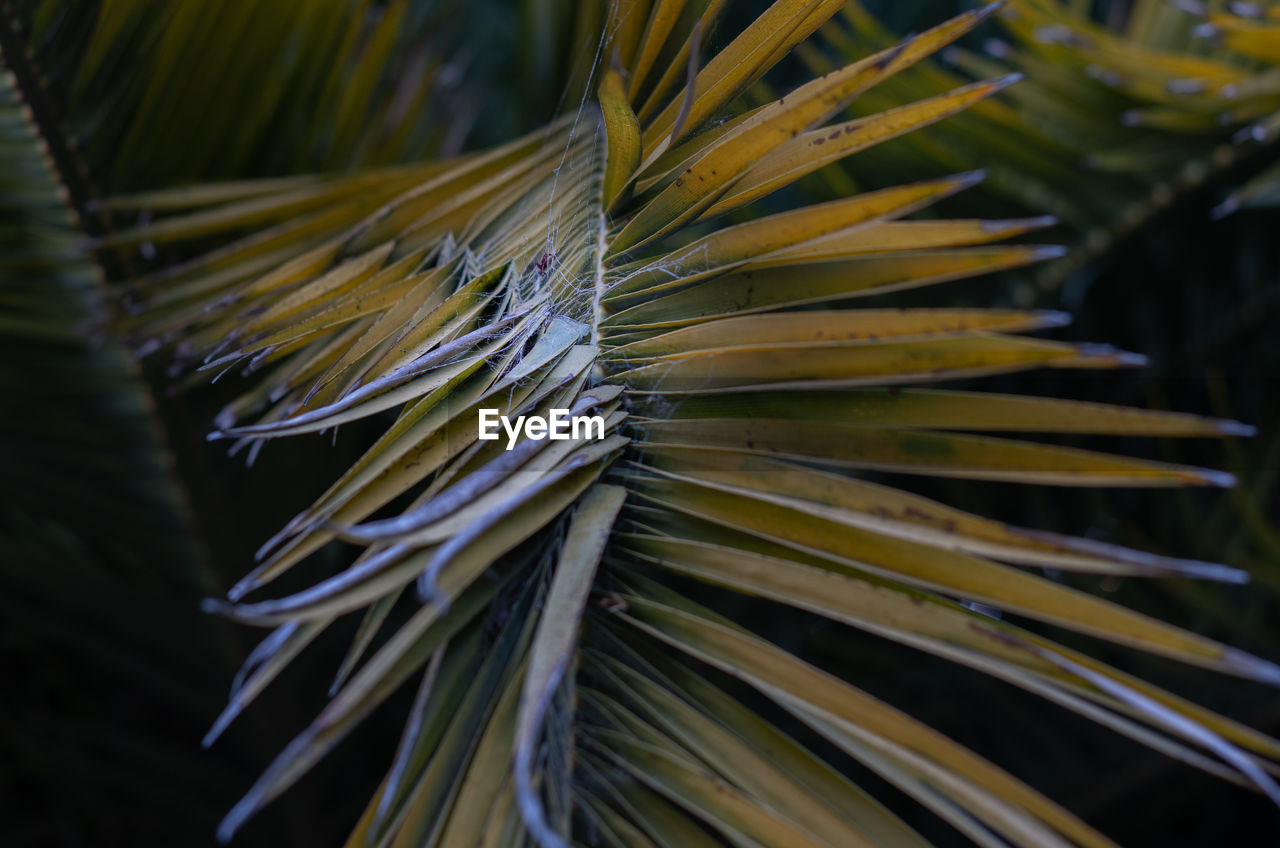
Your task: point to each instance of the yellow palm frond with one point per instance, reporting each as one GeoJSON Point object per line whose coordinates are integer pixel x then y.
{"type": "Point", "coordinates": [589, 267]}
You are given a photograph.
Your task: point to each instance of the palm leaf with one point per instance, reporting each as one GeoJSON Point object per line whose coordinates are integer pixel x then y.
{"type": "Point", "coordinates": [1114, 122]}
{"type": "Point", "coordinates": [317, 86]}
{"type": "Point", "coordinates": [585, 267]}
{"type": "Point", "coordinates": [105, 674]}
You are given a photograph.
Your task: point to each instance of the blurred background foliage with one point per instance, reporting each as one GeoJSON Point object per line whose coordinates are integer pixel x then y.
{"type": "Point", "coordinates": [105, 667]}
{"type": "Point", "coordinates": [111, 676]}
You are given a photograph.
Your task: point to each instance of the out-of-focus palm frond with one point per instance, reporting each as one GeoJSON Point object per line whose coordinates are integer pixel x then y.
{"type": "Point", "coordinates": [316, 85]}
{"type": "Point", "coordinates": [1114, 120]}
{"type": "Point", "coordinates": [96, 559]}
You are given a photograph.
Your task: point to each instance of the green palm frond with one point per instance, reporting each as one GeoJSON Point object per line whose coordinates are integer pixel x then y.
{"type": "Point", "coordinates": [752, 415]}
{"type": "Point", "coordinates": [96, 551]}
{"type": "Point", "coordinates": [75, 408]}
{"type": "Point", "coordinates": [1114, 121]}
{"type": "Point", "coordinates": [316, 85]}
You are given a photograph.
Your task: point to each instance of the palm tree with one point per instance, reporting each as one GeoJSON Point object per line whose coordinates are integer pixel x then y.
{"type": "Point", "coordinates": [600, 627]}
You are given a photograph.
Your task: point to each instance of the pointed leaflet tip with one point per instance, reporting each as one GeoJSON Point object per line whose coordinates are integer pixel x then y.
{"type": "Point", "coordinates": [243, 587]}
{"type": "Point", "coordinates": [1133, 360]}
{"type": "Point", "coordinates": [1050, 251]}
{"type": "Point", "coordinates": [987, 10]}
{"type": "Point", "coordinates": [239, 815]}
{"type": "Point", "coordinates": [1216, 572]}
{"type": "Point", "coordinates": [1236, 428]}
{"type": "Point", "coordinates": [1221, 479]}
{"type": "Point", "coordinates": [1252, 667]}
{"type": "Point", "coordinates": [1018, 224]}
{"type": "Point", "coordinates": [1117, 357]}
{"type": "Point", "coordinates": [1000, 83]}
{"type": "Point", "coordinates": [1225, 208]}
{"type": "Point", "coordinates": [221, 724]}
{"type": "Point", "coordinates": [1053, 318]}
{"type": "Point", "coordinates": [213, 606]}
{"type": "Point", "coordinates": [1221, 574]}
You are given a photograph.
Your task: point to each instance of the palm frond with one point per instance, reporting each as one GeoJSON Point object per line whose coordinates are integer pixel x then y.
{"type": "Point", "coordinates": [96, 549]}
{"type": "Point", "coordinates": [317, 86]}
{"type": "Point", "coordinates": [1113, 123]}
{"type": "Point", "coordinates": [587, 267]}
